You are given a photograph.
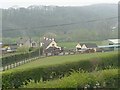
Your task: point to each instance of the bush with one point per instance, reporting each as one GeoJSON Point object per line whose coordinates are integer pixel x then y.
{"type": "Point", "coordinates": [101, 79]}
{"type": "Point", "coordinates": [17, 78]}
{"type": "Point", "coordinates": [23, 49]}
{"type": "Point", "coordinates": [18, 57]}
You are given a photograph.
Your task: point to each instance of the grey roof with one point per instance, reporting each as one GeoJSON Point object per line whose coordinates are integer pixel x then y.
{"type": "Point", "coordinates": [52, 49]}
{"type": "Point", "coordinates": [90, 45]}
{"type": "Point", "coordinates": [13, 46]}
{"type": "Point", "coordinates": [81, 44]}
{"type": "Point", "coordinates": [46, 43]}
{"type": "Point", "coordinates": [24, 40]}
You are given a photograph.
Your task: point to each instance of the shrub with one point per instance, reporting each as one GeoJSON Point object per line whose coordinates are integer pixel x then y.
{"type": "Point", "coordinates": [101, 79]}
{"type": "Point", "coordinates": [18, 57]}
{"type": "Point", "coordinates": [23, 49]}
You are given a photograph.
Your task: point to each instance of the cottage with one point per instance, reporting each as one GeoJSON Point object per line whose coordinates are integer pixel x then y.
{"type": "Point", "coordinates": [50, 46]}
{"type": "Point", "coordinates": [86, 46]}
{"type": "Point", "coordinates": [79, 46]}
{"type": "Point", "coordinates": [89, 46]}
{"type": "Point", "coordinates": [26, 42]}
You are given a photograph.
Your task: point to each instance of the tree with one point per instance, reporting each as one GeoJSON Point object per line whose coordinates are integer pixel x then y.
{"type": "Point", "coordinates": [23, 49]}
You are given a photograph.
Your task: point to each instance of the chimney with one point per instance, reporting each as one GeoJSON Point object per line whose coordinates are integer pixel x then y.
{"type": "Point", "coordinates": [53, 39]}
{"type": "Point", "coordinates": [44, 37]}
{"type": "Point", "coordinates": [41, 44]}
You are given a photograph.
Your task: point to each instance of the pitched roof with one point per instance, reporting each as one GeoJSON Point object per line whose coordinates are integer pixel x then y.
{"type": "Point", "coordinates": [81, 43]}
{"type": "Point", "coordinates": [52, 49]}
{"type": "Point", "coordinates": [46, 43]}
{"type": "Point", "coordinates": [90, 45]}
{"type": "Point", "coordinates": [24, 40]}
{"type": "Point", "coordinates": [13, 46]}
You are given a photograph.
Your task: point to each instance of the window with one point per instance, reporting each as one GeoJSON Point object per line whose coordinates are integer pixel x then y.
{"type": "Point", "coordinates": [53, 45]}
{"type": "Point", "coordinates": [33, 44]}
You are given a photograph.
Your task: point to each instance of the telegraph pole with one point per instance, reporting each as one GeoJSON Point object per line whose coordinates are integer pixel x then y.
{"type": "Point", "coordinates": [39, 46]}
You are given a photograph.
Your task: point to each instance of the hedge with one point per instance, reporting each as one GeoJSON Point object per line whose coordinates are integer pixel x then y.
{"type": "Point", "coordinates": [18, 78]}
{"type": "Point", "coordinates": [18, 57]}
{"type": "Point", "coordinates": [100, 79]}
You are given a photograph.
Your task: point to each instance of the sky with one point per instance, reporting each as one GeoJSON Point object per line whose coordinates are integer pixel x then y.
{"type": "Point", "coordinates": [26, 3]}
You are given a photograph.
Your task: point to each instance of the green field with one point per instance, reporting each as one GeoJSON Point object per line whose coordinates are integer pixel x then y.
{"type": "Point", "coordinates": [51, 61]}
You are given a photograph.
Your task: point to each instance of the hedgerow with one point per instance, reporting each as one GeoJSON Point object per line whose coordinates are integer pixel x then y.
{"type": "Point", "coordinates": [18, 57]}
{"type": "Point", "coordinates": [101, 79]}
{"type": "Point", "coordinates": [18, 78]}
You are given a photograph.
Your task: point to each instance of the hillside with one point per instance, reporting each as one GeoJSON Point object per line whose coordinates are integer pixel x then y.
{"type": "Point", "coordinates": [64, 23]}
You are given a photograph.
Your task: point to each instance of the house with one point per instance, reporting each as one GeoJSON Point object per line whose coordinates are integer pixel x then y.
{"type": "Point", "coordinates": [110, 45]}
{"type": "Point", "coordinates": [12, 47]}
{"type": "Point", "coordinates": [111, 42]}
{"type": "Point", "coordinates": [26, 42]}
{"type": "Point", "coordinates": [114, 41]}
{"type": "Point", "coordinates": [6, 48]}
{"type": "Point", "coordinates": [50, 46]}
{"type": "Point", "coordinates": [89, 46]}
{"type": "Point", "coordinates": [79, 46]}
{"type": "Point", "coordinates": [86, 46]}
{"type": "Point", "coordinates": [3, 49]}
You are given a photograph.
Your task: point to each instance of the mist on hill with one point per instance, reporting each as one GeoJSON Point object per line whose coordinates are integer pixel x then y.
{"type": "Point", "coordinates": [94, 22]}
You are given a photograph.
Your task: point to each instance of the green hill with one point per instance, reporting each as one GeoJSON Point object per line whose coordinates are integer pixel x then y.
{"type": "Point", "coordinates": [64, 23]}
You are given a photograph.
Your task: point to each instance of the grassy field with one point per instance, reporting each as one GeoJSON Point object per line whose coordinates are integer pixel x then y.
{"type": "Point", "coordinates": [99, 79]}
{"type": "Point", "coordinates": [51, 61]}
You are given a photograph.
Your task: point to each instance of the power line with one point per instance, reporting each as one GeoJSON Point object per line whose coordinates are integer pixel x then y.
{"type": "Point", "coordinates": [65, 24]}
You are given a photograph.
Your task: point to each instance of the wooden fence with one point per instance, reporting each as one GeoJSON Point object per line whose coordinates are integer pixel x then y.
{"type": "Point", "coordinates": [16, 64]}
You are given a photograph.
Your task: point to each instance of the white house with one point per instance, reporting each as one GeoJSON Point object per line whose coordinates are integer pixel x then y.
{"type": "Point", "coordinates": [50, 45]}
{"type": "Point", "coordinates": [79, 46]}
{"type": "Point", "coordinates": [85, 46]}
{"type": "Point", "coordinates": [47, 43]}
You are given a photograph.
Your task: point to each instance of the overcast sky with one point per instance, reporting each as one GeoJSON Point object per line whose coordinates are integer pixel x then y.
{"type": "Point", "coordinates": [26, 3]}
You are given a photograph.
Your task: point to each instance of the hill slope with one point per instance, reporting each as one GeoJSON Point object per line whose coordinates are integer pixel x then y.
{"type": "Point", "coordinates": [64, 23]}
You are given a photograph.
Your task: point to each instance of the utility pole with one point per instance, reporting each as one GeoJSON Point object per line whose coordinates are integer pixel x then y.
{"type": "Point", "coordinates": [29, 47]}
{"type": "Point", "coordinates": [39, 46]}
